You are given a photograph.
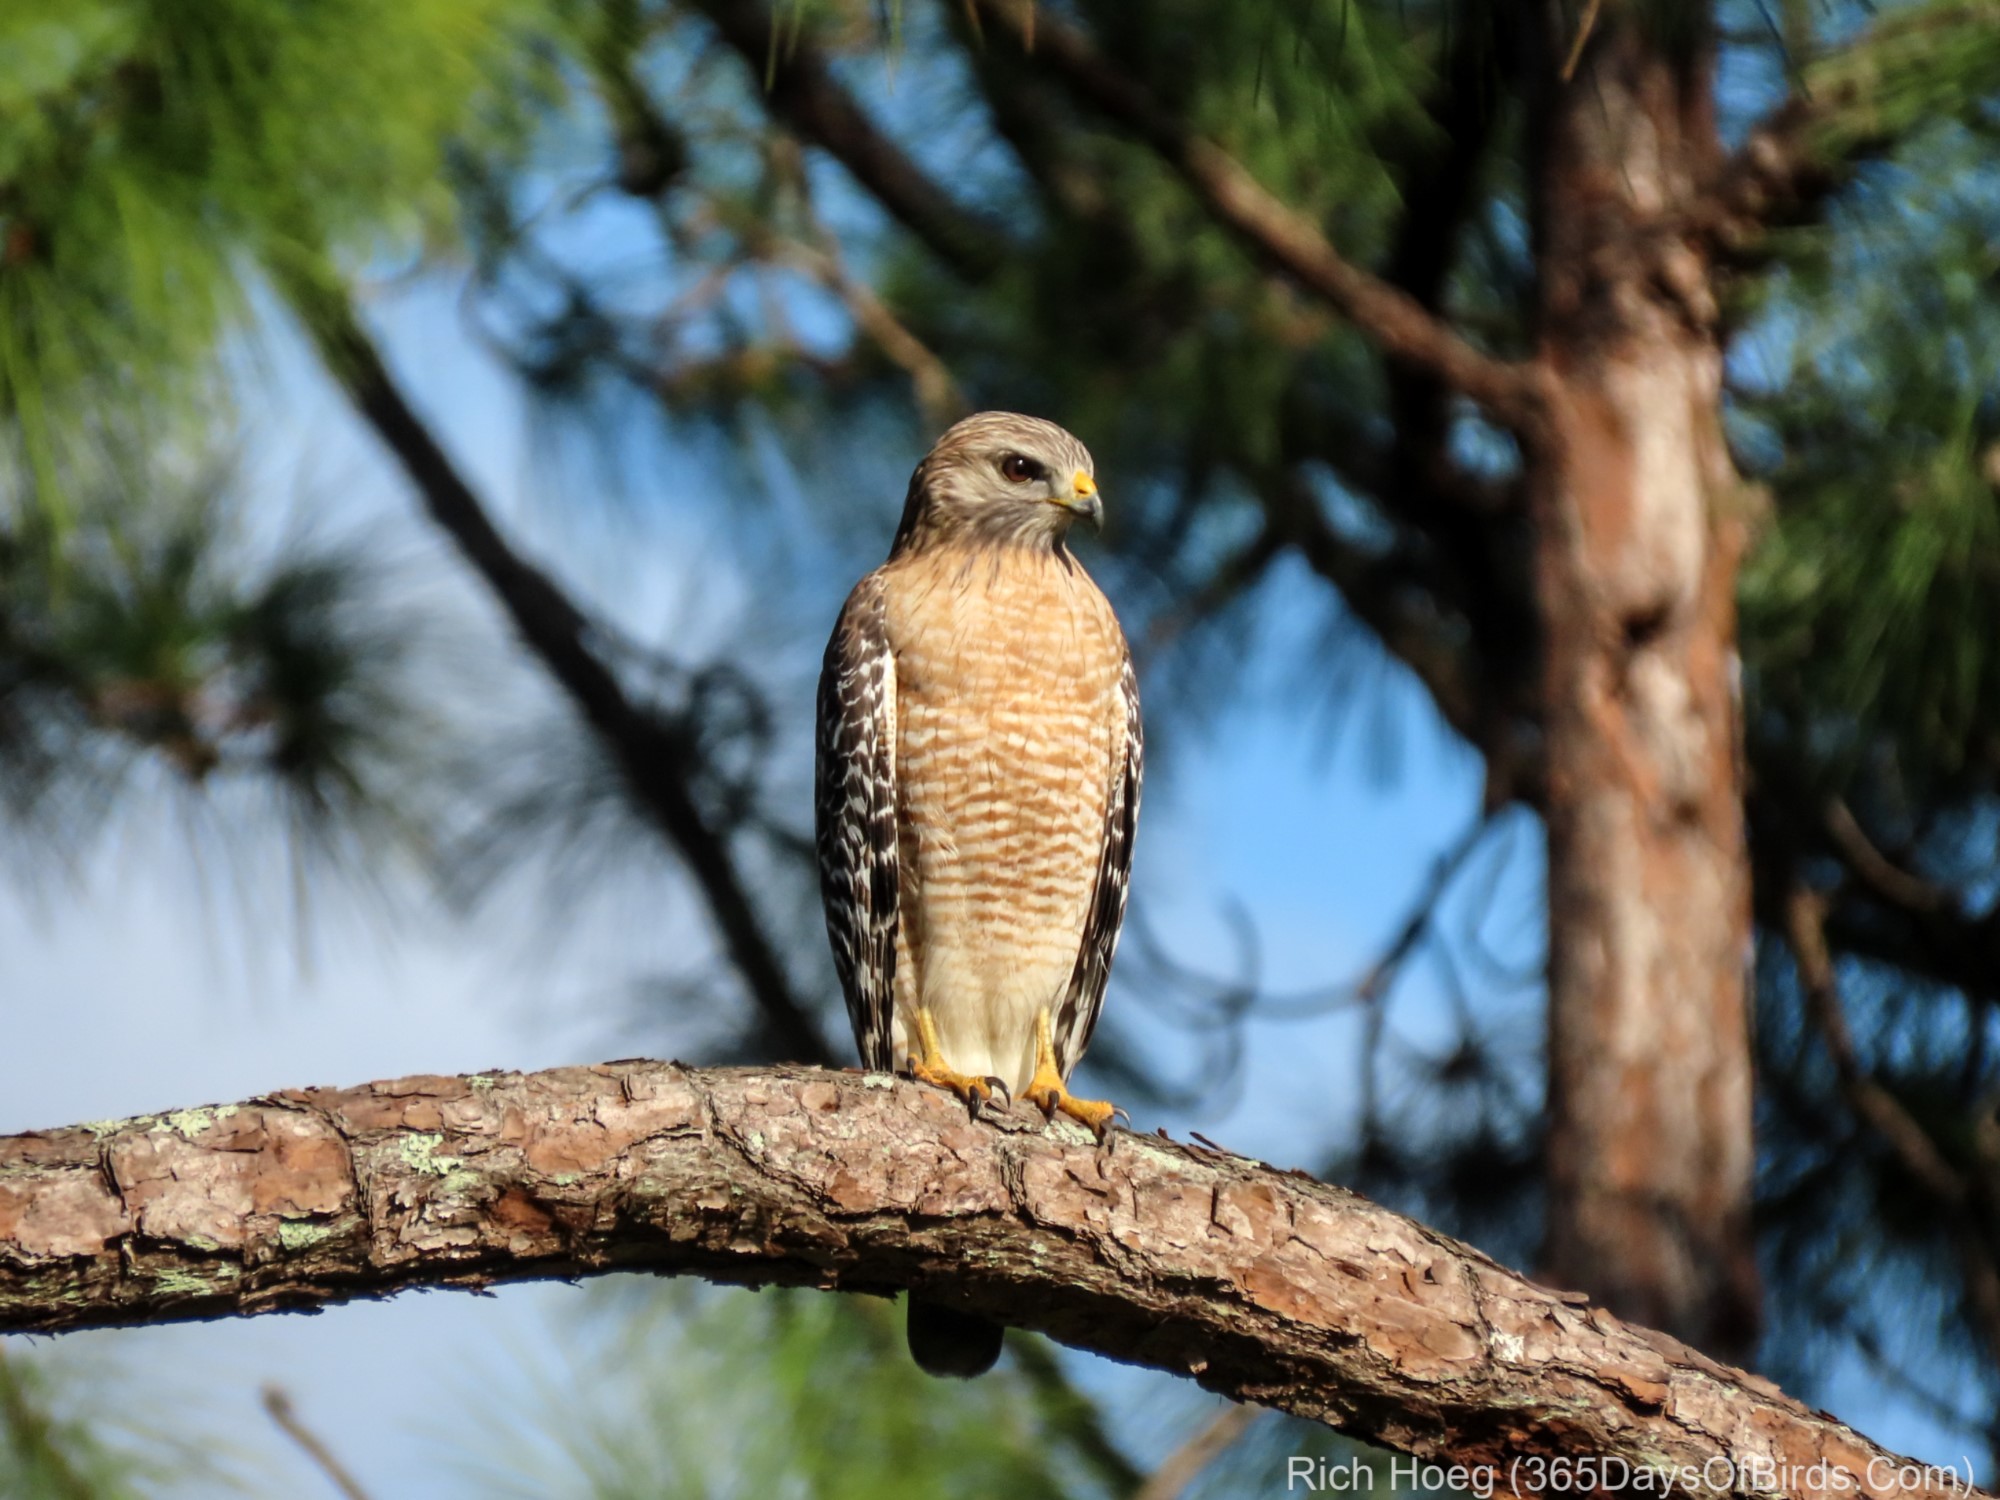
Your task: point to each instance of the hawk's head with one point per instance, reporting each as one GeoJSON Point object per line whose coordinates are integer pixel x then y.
{"type": "Point", "coordinates": [1000, 477]}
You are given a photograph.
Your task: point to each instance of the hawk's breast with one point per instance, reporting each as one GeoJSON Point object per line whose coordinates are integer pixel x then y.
{"type": "Point", "coordinates": [1011, 730]}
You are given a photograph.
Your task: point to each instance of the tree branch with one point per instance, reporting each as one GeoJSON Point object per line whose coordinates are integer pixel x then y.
{"type": "Point", "coordinates": [818, 255]}
{"type": "Point", "coordinates": [801, 90]}
{"type": "Point", "coordinates": [654, 758]}
{"type": "Point", "coordinates": [1272, 228]}
{"type": "Point", "coordinates": [1877, 871]}
{"type": "Point", "coordinates": [1399, 597]}
{"type": "Point", "coordinates": [1187, 1463]}
{"type": "Point", "coordinates": [1885, 1114]}
{"type": "Point", "coordinates": [1264, 1285]}
{"type": "Point", "coordinates": [278, 1405]}
{"type": "Point", "coordinates": [1440, 190]}
{"type": "Point", "coordinates": [1889, 915]}
{"type": "Point", "coordinates": [1805, 929]}
{"type": "Point", "coordinates": [1855, 103]}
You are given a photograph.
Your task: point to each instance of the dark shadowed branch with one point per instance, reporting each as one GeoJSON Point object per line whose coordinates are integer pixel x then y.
{"type": "Point", "coordinates": [1962, 1196]}
{"type": "Point", "coordinates": [1278, 233]}
{"type": "Point", "coordinates": [800, 90]}
{"type": "Point", "coordinates": [1915, 66]}
{"type": "Point", "coordinates": [656, 758]}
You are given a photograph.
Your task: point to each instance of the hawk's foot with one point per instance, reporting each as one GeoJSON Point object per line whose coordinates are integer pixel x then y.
{"type": "Point", "coordinates": [1046, 1092]}
{"type": "Point", "coordinates": [929, 1066]}
{"type": "Point", "coordinates": [974, 1091]}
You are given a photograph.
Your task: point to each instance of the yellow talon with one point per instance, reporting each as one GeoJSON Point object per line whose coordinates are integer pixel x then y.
{"type": "Point", "coordinates": [930, 1067]}
{"type": "Point", "coordinates": [1046, 1092]}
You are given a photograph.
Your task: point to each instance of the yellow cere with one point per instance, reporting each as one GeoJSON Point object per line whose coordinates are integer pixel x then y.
{"type": "Point", "coordinates": [1083, 484]}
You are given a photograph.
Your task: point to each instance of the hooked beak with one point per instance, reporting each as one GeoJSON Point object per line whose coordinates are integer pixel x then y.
{"type": "Point", "coordinates": [1082, 500]}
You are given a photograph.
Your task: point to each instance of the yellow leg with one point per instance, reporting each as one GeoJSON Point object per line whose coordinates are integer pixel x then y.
{"type": "Point", "coordinates": [1046, 1092]}
{"type": "Point", "coordinates": [930, 1067]}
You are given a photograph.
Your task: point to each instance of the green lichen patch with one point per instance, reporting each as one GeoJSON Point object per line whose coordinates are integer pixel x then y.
{"type": "Point", "coordinates": [176, 1283]}
{"type": "Point", "coordinates": [419, 1152]}
{"type": "Point", "coordinates": [295, 1235]}
{"type": "Point", "coordinates": [189, 1123]}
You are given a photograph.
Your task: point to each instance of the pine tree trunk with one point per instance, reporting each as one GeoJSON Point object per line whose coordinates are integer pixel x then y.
{"type": "Point", "coordinates": [1639, 532]}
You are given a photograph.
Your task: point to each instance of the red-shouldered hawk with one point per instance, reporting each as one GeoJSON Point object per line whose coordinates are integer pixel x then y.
{"type": "Point", "coordinates": [979, 759]}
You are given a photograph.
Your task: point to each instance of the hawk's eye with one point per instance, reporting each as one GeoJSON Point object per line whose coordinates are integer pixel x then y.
{"type": "Point", "coordinates": [1019, 469]}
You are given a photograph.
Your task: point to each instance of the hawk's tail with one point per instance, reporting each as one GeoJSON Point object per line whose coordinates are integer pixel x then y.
{"type": "Point", "coordinates": [945, 1341]}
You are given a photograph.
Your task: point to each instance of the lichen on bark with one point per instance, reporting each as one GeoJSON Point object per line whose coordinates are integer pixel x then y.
{"type": "Point", "coordinates": [1259, 1283]}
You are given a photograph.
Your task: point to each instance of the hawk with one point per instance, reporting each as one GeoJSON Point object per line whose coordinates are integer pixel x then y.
{"type": "Point", "coordinates": [977, 790]}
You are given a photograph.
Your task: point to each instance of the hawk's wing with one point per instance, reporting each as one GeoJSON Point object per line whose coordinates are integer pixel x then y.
{"type": "Point", "coordinates": [1077, 1016]}
{"type": "Point", "coordinates": [854, 816]}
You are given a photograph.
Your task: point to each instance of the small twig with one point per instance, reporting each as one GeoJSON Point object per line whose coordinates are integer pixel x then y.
{"type": "Point", "coordinates": [1839, 1316]}
{"type": "Point", "coordinates": [1228, 582]}
{"type": "Point", "coordinates": [279, 1404]}
{"type": "Point", "coordinates": [1244, 997]}
{"type": "Point", "coordinates": [937, 392]}
{"type": "Point", "coordinates": [1584, 28]}
{"type": "Point", "coordinates": [1422, 912]}
{"type": "Point", "coordinates": [1493, 968]}
{"type": "Point", "coordinates": [1881, 1110]}
{"type": "Point", "coordinates": [1379, 589]}
{"type": "Point", "coordinates": [1881, 874]}
{"type": "Point", "coordinates": [1188, 1462]}
{"type": "Point", "coordinates": [800, 87]}
{"type": "Point", "coordinates": [1805, 922]}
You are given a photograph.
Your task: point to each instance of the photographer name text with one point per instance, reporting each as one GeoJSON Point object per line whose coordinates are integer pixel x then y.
{"type": "Point", "coordinates": [1566, 1475]}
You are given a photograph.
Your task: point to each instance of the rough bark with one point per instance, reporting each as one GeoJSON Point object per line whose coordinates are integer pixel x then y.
{"type": "Point", "coordinates": [1639, 531]}
{"type": "Point", "coordinates": [1262, 1284]}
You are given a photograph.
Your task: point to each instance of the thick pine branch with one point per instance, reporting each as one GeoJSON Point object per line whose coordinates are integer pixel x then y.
{"type": "Point", "coordinates": [1277, 232]}
{"type": "Point", "coordinates": [1262, 1284]}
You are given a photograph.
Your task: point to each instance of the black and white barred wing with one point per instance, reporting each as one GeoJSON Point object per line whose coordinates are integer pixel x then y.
{"type": "Point", "coordinates": [854, 815]}
{"type": "Point", "coordinates": [1077, 1017]}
